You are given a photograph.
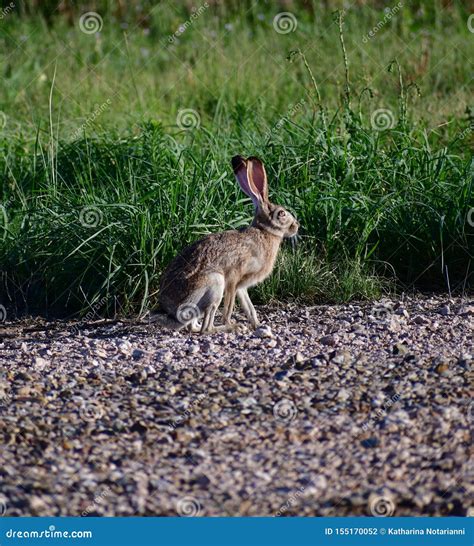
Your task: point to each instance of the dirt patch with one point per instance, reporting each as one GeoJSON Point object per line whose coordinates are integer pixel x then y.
{"type": "Point", "coordinates": [328, 411]}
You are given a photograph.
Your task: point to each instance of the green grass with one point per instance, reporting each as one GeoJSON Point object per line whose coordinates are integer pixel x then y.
{"type": "Point", "coordinates": [380, 210]}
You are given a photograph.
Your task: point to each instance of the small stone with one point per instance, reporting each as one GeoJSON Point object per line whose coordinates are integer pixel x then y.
{"type": "Point", "coordinates": [37, 504]}
{"type": "Point", "coordinates": [369, 442]}
{"type": "Point", "coordinates": [400, 349]}
{"type": "Point", "coordinates": [138, 354]}
{"type": "Point", "coordinates": [338, 357]}
{"type": "Point", "coordinates": [298, 357]}
{"type": "Point", "coordinates": [164, 355]}
{"type": "Point", "coordinates": [343, 395]}
{"type": "Point", "coordinates": [329, 340]}
{"type": "Point", "coordinates": [445, 310]}
{"type": "Point", "coordinates": [419, 320]}
{"type": "Point", "coordinates": [40, 363]}
{"type": "Point", "coordinates": [207, 347]}
{"type": "Point", "coordinates": [193, 349]}
{"type": "Point", "coordinates": [264, 331]}
{"type": "Point", "coordinates": [125, 347]}
{"type": "Point", "coordinates": [272, 343]}
{"type": "Point", "coordinates": [358, 328]}
{"type": "Point", "coordinates": [442, 368]}
{"type": "Point", "coordinates": [402, 312]}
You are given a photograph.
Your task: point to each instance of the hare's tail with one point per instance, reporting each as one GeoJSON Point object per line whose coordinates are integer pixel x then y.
{"type": "Point", "coordinates": [163, 319]}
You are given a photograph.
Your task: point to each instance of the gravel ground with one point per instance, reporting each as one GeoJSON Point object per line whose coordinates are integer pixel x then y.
{"type": "Point", "coordinates": [324, 411]}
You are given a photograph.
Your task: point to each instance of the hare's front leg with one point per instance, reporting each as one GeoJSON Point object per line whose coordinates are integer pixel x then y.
{"type": "Point", "coordinates": [229, 302]}
{"type": "Point", "coordinates": [247, 306]}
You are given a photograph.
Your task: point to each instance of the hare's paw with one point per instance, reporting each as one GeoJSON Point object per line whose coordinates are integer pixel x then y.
{"type": "Point", "coordinates": [239, 328]}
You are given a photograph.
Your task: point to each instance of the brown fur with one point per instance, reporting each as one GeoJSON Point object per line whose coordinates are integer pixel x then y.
{"type": "Point", "coordinates": [227, 263]}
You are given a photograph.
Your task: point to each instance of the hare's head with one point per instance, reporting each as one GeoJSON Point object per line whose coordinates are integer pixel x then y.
{"type": "Point", "coordinates": [252, 178]}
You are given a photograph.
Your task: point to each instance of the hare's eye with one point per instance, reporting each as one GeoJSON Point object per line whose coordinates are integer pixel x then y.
{"type": "Point", "coordinates": [281, 214]}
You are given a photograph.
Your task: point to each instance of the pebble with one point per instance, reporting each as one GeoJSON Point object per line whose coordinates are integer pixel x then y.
{"type": "Point", "coordinates": [264, 331]}
{"type": "Point", "coordinates": [329, 340]}
{"type": "Point", "coordinates": [445, 310]}
{"type": "Point", "coordinates": [123, 419]}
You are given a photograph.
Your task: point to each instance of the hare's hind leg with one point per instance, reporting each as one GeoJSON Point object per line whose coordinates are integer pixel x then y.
{"type": "Point", "coordinates": [211, 300]}
{"type": "Point", "coordinates": [208, 321]}
{"type": "Point", "coordinates": [247, 306]}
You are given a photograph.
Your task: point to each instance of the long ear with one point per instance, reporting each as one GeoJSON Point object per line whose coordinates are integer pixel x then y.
{"type": "Point", "coordinates": [258, 177]}
{"type": "Point", "coordinates": [241, 170]}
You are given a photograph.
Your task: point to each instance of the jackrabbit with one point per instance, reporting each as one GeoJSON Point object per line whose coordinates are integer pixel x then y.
{"type": "Point", "coordinates": [226, 264]}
